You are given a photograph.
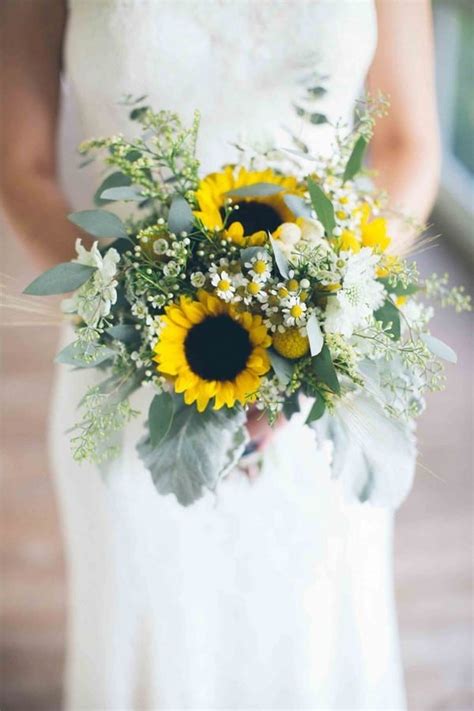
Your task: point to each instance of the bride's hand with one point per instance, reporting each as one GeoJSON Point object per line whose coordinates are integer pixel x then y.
{"type": "Point", "coordinates": [259, 430]}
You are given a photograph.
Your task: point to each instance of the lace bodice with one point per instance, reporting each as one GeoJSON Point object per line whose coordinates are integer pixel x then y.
{"type": "Point", "coordinates": [247, 65]}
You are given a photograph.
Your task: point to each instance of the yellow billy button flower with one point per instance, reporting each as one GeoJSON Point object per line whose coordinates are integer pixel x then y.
{"type": "Point", "coordinates": [291, 344]}
{"type": "Point", "coordinates": [212, 352]}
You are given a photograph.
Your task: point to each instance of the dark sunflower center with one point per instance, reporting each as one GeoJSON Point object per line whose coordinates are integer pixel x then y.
{"type": "Point", "coordinates": [254, 216]}
{"type": "Point", "coordinates": [217, 348]}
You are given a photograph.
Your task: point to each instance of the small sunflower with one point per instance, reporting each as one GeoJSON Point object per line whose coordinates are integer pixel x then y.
{"type": "Point", "coordinates": [212, 351]}
{"type": "Point", "coordinates": [254, 217]}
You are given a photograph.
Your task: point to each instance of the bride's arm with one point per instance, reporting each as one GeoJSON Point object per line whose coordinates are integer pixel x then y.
{"type": "Point", "coordinates": [405, 148]}
{"type": "Point", "coordinates": [30, 56]}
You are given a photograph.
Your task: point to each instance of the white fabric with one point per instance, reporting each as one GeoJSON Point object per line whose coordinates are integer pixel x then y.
{"type": "Point", "coordinates": [275, 593]}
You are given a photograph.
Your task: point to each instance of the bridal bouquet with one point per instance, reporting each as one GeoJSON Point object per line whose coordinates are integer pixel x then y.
{"type": "Point", "coordinates": [249, 287]}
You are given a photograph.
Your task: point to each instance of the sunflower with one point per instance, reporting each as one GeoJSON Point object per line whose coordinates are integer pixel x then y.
{"type": "Point", "coordinates": [212, 351]}
{"type": "Point", "coordinates": [254, 217]}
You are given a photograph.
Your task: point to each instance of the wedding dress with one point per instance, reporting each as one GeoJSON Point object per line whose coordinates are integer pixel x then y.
{"type": "Point", "coordinates": [276, 592]}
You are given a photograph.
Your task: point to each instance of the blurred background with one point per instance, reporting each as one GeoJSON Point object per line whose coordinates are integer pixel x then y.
{"type": "Point", "coordinates": [434, 534]}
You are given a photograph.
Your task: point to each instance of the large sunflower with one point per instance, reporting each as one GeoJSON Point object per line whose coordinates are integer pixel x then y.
{"type": "Point", "coordinates": [255, 216]}
{"type": "Point", "coordinates": [212, 351]}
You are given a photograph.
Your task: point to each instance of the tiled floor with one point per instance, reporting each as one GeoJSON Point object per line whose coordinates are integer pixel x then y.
{"type": "Point", "coordinates": [434, 543]}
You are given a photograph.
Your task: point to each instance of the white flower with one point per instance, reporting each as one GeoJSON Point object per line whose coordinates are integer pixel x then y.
{"type": "Point", "coordinates": [260, 266]}
{"type": "Point", "coordinates": [294, 311]}
{"type": "Point", "coordinates": [198, 280]}
{"type": "Point", "coordinates": [171, 269]}
{"type": "Point", "coordinates": [312, 232]}
{"type": "Point", "coordinates": [160, 246]}
{"type": "Point", "coordinates": [93, 301]}
{"type": "Point", "coordinates": [225, 289]}
{"type": "Point", "coordinates": [359, 296]}
{"type": "Point", "coordinates": [288, 235]}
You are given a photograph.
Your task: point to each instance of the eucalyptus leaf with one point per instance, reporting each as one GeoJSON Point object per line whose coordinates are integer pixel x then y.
{"type": "Point", "coordinates": [198, 451]}
{"type": "Point", "coordinates": [297, 205]}
{"type": "Point", "coordinates": [124, 332]}
{"type": "Point", "coordinates": [78, 356]}
{"type": "Point", "coordinates": [389, 315]}
{"type": "Point", "coordinates": [256, 190]}
{"type": "Point", "coordinates": [318, 409]}
{"type": "Point", "coordinates": [291, 406]}
{"type": "Point", "coordinates": [160, 417]}
{"type": "Point", "coordinates": [180, 218]}
{"type": "Point", "coordinates": [354, 164]}
{"type": "Point", "coordinates": [280, 258]}
{"type": "Point", "coordinates": [126, 193]}
{"type": "Point", "coordinates": [283, 368]}
{"type": "Point", "coordinates": [60, 279]}
{"type": "Point", "coordinates": [99, 223]}
{"type": "Point", "coordinates": [322, 206]}
{"type": "Point", "coordinates": [439, 348]}
{"type": "Point", "coordinates": [249, 253]}
{"type": "Point", "coordinates": [315, 335]}
{"type": "Point", "coordinates": [115, 180]}
{"type": "Point", "coordinates": [325, 371]}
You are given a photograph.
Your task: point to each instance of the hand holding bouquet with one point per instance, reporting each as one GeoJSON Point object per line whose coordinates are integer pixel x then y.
{"type": "Point", "coordinates": [269, 281]}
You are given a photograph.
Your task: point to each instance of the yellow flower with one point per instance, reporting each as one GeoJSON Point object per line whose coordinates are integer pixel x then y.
{"type": "Point", "coordinates": [212, 351]}
{"type": "Point", "coordinates": [373, 233]}
{"type": "Point", "coordinates": [348, 242]}
{"type": "Point", "coordinates": [291, 344]}
{"type": "Point", "coordinates": [255, 216]}
{"type": "Point", "coordinates": [389, 264]}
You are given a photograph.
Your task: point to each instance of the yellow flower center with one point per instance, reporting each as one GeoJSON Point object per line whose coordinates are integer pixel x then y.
{"type": "Point", "coordinates": [292, 285]}
{"type": "Point", "coordinates": [291, 344]}
{"type": "Point", "coordinates": [296, 311]}
{"type": "Point", "coordinates": [253, 288]}
{"type": "Point", "coordinates": [224, 285]}
{"type": "Point", "coordinates": [260, 267]}
{"type": "Point", "coordinates": [341, 214]}
{"type": "Point", "coordinates": [282, 293]}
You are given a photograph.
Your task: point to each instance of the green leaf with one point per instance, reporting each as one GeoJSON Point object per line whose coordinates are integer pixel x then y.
{"type": "Point", "coordinates": [297, 205]}
{"type": "Point", "coordinates": [256, 190]}
{"type": "Point", "coordinates": [439, 348]}
{"type": "Point", "coordinates": [315, 336]}
{"type": "Point", "coordinates": [389, 315]}
{"type": "Point", "coordinates": [180, 218]}
{"type": "Point", "coordinates": [291, 406]}
{"type": "Point", "coordinates": [198, 451]}
{"type": "Point", "coordinates": [80, 357]}
{"type": "Point", "coordinates": [399, 289]}
{"type": "Point", "coordinates": [322, 206]}
{"type": "Point", "coordinates": [138, 112]}
{"type": "Point", "coordinates": [354, 164]}
{"type": "Point", "coordinates": [325, 371]}
{"type": "Point", "coordinates": [283, 368]}
{"type": "Point", "coordinates": [115, 180]}
{"type": "Point", "coordinates": [313, 117]}
{"type": "Point", "coordinates": [160, 417]}
{"type": "Point", "coordinates": [317, 411]}
{"type": "Point", "coordinates": [125, 193]}
{"type": "Point", "coordinates": [99, 223]}
{"type": "Point", "coordinates": [249, 253]}
{"type": "Point", "coordinates": [124, 332]}
{"type": "Point", "coordinates": [60, 279]}
{"type": "Point", "coordinates": [280, 259]}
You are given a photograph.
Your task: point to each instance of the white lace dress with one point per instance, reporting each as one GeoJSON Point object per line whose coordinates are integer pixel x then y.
{"type": "Point", "coordinates": [275, 593]}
